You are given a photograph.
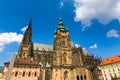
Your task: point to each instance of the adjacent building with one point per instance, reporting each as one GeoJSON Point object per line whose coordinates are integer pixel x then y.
{"type": "Point", "coordinates": [60, 61]}
{"type": "Point", "coordinates": [110, 68]}
{"type": "Point", "coordinates": [100, 75]}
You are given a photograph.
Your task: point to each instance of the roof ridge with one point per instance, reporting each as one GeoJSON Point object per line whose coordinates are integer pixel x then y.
{"type": "Point", "coordinates": [42, 43]}
{"type": "Point", "coordinates": [110, 60]}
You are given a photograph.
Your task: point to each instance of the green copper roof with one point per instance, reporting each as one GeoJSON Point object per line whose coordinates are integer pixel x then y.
{"type": "Point", "coordinates": [67, 29]}
{"type": "Point", "coordinates": [60, 24]}
{"type": "Point", "coordinates": [61, 27]}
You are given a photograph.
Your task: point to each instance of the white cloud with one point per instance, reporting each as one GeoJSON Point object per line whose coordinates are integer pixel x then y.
{"type": "Point", "coordinates": [77, 45]}
{"type": "Point", "coordinates": [93, 46]}
{"type": "Point", "coordinates": [61, 4]}
{"type": "Point", "coordinates": [1, 48]}
{"type": "Point", "coordinates": [112, 33]}
{"type": "Point", "coordinates": [9, 37]}
{"type": "Point", "coordinates": [102, 10]}
{"type": "Point", "coordinates": [24, 28]}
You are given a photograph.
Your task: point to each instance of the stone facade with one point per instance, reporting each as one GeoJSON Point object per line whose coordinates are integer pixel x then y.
{"type": "Point", "coordinates": [60, 61]}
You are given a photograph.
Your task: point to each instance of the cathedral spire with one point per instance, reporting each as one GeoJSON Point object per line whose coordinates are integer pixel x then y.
{"type": "Point", "coordinates": [28, 33]}
{"type": "Point", "coordinates": [60, 24]}
{"type": "Point", "coordinates": [30, 24]}
{"type": "Point", "coordinates": [25, 49]}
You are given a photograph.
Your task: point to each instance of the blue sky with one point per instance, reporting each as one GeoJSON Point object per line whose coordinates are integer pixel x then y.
{"type": "Point", "coordinates": [92, 26]}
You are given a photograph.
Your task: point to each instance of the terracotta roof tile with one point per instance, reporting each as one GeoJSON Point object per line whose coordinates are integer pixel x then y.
{"type": "Point", "coordinates": [24, 61]}
{"type": "Point", "coordinates": [110, 60]}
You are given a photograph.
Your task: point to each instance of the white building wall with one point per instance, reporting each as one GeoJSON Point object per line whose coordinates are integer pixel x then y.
{"type": "Point", "coordinates": [110, 70]}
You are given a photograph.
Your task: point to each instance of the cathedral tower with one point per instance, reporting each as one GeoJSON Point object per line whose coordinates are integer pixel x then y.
{"type": "Point", "coordinates": [25, 49]}
{"type": "Point", "coordinates": [62, 45]}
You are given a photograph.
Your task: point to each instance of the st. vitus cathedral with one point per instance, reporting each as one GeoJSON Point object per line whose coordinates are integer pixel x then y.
{"type": "Point", "coordinates": [60, 61]}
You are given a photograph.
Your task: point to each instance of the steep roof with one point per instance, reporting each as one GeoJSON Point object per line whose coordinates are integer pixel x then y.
{"type": "Point", "coordinates": [24, 61]}
{"type": "Point", "coordinates": [85, 52]}
{"type": "Point", "coordinates": [41, 47]}
{"type": "Point", "coordinates": [110, 60]}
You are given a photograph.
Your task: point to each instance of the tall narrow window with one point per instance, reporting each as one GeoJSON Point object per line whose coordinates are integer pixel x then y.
{"type": "Point", "coordinates": [77, 77]}
{"type": "Point", "coordinates": [85, 77]}
{"type": "Point", "coordinates": [111, 75]}
{"type": "Point", "coordinates": [23, 74]}
{"type": "Point", "coordinates": [35, 74]}
{"type": "Point", "coordinates": [29, 74]}
{"type": "Point", "coordinates": [65, 57]}
{"type": "Point", "coordinates": [81, 77]}
{"type": "Point", "coordinates": [16, 73]}
{"type": "Point", "coordinates": [47, 75]}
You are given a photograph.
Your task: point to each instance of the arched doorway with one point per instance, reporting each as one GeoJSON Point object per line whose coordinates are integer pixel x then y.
{"type": "Point", "coordinates": [81, 77]}
{"type": "Point", "coordinates": [77, 77]}
{"type": "Point", "coordinates": [47, 75]}
{"type": "Point", "coordinates": [66, 75]}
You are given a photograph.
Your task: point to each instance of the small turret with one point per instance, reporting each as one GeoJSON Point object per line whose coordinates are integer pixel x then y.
{"type": "Point", "coordinates": [67, 30]}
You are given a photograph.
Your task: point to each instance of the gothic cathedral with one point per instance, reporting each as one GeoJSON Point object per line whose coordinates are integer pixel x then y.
{"type": "Point", "coordinates": [61, 61]}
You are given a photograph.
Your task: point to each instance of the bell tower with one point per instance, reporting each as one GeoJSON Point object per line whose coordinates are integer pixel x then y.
{"type": "Point", "coordinates": [62, 45]}
{"type": "Point", "coordinates": [26, 47]}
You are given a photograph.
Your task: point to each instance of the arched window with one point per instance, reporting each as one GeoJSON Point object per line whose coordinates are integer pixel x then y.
{"type": "Point", "coordinates": [16, 73]}
{"type": "Point", "coordinates": [47, 75]}
{"type": "Point", "coordinates": [77, 77]}
{"type": "Point", "coordinates": [23, 75]}
{"type": "Point", "coordinates": [66, 75]}
{"type": "Point", "coordinates": [85, 77]}
{"type": "Point", "coordinates": [35, 74]}
{"type": "Point", "coordinates": [81, 77]}
{"type": "Point", "coordinates": [29, 74]}
{"type": "Point", "coordinates": [76, 60]}
{"type": "Point", "coordinates": [64, 57]}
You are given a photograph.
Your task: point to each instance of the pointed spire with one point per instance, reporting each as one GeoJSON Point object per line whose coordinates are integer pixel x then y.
{"type": "Point", "coordinates": [40, 64]}
{"type": "Point", "coordinates": [47, 64]}
{"type": "Point", "coordinates": [60, 24]}
{"type": "Point", "coordinates": [30, 24]}
{"type": "Point", "coordinates": [27, 42]}
{"type": "Point", "coordinates": [28, 34]}
{"type": "Point", "coordinates": [60, 21]}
